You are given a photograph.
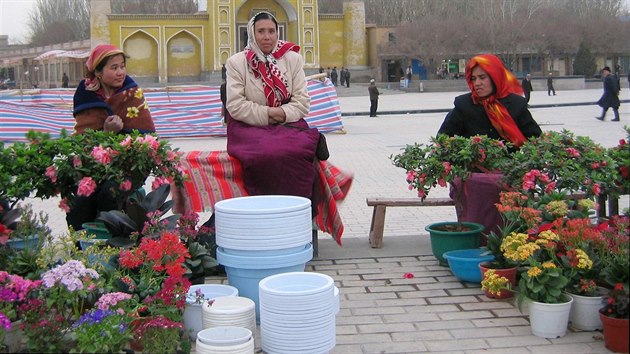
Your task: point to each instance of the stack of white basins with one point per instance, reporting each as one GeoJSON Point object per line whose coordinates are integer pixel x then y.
{"type": "Point", "coordinates": [297, 313]}
{"type": "Point", "coordinates": [259, 236]}
{"type": "Point", "coordinates": [236, 311]}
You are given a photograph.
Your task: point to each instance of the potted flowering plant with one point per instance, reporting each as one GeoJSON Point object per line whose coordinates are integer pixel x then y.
{"type": "Point", "coordinates": [615, 316]}
{"type": "Point", "coordinates": [74, 165]}
{"type": "Point", "coordinates": [446, 159]}
{"type": "Point", "coordinates": [102, 331]}
{"type": "Point", "coordinates": [15, 291]}
{"type": "Point", "coordinates": [620, 155]}
{"type": "Point", "coordinates": [561, 162]}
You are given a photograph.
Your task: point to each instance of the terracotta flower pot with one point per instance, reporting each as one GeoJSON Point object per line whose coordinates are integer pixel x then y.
{"type": "Point", "coordinates": [509, 273]}
{"type": "Point", "coordinates": [615, 333]}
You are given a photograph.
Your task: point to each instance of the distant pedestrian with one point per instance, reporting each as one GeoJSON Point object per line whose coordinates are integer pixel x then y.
{"type": "Point", "coordinates": [342, 76]}
{"type": "Point", "coordinates": [64, 80]}
{"type": "Point", "coordinates": [223, 73]}
{"type": "Point", "coordinates": [527, 87]}
{"type": "Point", "coordinates": [629, 80]}
{"type": "Point", "coordinates": [408, 74]}
{"type": "Point", "coordinates": [373, 90]}
{"type": "Point", "coordinates": [610, 98]}
{"type": "Point", "coordinates": [550, 85]}
{"type": "Point", "coordinates": [334, 76]}
{"type": "Point", "coordinates": [321, 70]}
{"type": "Point", "coordinates": [347, 78]}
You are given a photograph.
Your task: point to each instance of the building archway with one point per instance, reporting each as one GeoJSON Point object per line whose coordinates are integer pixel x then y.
{"type": "Point", "coordinates": [183, 57]}
{"type": "Point", "coordinates": [144, 52]}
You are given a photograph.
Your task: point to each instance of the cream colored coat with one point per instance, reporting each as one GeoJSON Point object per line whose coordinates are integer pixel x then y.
{"type": "Point", "coordinates": [246, 100]}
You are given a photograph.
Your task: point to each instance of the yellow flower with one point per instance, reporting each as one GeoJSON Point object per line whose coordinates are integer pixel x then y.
{"type": "Point", "coordinates": [493, 283]}
{"type": "Point", "coordinates": [138, 94]}
{"type": "Point", "coordinates": [146, 105]}
{"type": "Point", "coordinates": [549, 235]}
{"type": "Point", "coordinates": [586, 204]}
{"type": "Point", "coordinates": [548, 265]}
{"type": "Point", "coordinates": [132, 112]}
{"type": "Point", "coordinates": [584, 261]}
{"type": "Point", "coordinates": [557, 208]}
{"type": "Point", "coordinates": [534, 272]}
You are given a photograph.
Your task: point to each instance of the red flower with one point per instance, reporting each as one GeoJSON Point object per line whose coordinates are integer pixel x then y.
{"type": "Point", "coordinates": [408, 276]}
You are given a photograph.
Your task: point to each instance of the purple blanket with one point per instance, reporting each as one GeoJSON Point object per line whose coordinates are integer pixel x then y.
{"type": "Point", "coordinates": [479, 195]}
{"type": "Point", "coordinates": [275, 159]}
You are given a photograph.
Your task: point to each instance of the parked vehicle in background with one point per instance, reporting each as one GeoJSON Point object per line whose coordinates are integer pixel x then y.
{"type": "Point", "coordinates": [7, 84]}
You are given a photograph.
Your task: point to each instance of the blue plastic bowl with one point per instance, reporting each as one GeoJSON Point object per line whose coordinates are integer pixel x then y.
{"type": "Point", "coordinates": [465, 263]}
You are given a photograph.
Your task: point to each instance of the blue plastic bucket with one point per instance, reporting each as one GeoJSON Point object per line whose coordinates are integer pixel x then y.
{"type": "Point", "coordinates": [245, 272]}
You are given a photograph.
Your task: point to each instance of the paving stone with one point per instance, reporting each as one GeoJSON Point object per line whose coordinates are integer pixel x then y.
{"type": "Point", "coordinates": [386, 328]}
{"type": "Point", "coordinates": [516, 341]}
{"type": "Point", "coordinates": [395, 348]}
{"type": "Point", "coordinates": [465, 315]}
{"type": "Point", "coordinates": [452, 300]}
{"type": "Point", "coordinates": [454, 345]}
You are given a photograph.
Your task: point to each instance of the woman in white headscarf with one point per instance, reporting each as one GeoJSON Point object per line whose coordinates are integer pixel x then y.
{"type": "Point", "coordinates": [266, 95]}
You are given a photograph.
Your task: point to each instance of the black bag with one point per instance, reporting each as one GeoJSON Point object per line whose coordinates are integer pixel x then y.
{"type": "Point", "coordinates": [322, 147]}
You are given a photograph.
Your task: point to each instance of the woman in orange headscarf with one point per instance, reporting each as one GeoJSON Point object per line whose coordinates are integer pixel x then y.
{"type": "Point", "coordinates": [495, 106]}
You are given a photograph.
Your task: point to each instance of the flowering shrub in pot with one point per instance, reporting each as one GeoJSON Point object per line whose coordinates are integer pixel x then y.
{"type": "Point", "coordinates": [73, 165]}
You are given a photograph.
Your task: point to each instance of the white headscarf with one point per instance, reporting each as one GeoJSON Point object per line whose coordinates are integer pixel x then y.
{"type": "Point", "coordinates": [251, 38]}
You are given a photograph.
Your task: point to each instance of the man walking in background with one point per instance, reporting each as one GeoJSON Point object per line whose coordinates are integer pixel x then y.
{"type": "Point", "coordinates": [610, 98]}
{"type": "Point", "coordinates": [527, 86]}
{"type": "Point", "coordinates": [550, 85]}
{"type": "Point", "coordinates": [373, 90]}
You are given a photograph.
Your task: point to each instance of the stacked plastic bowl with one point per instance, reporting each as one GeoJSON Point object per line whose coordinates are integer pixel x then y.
{"type": "Point", "coordinates": [234, 311]}
{"type": "Point", "coordinates": [297, 313]}
{"type": "Point", "coordinates": [193, 311]}
{"type": "Point", "coordinates": [259, 236]}
{"type": "Point", "coordinates": [225, 340]}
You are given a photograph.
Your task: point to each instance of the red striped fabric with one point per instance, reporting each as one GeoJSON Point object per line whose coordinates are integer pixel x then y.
{"type": "Point", "coordinates": [215, 176]}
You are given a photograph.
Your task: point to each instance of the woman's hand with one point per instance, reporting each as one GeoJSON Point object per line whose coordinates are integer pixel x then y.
{"type": "Point", "coordinates": [113, 124]}
{"type": "Point", "coordinates": [276, 115]}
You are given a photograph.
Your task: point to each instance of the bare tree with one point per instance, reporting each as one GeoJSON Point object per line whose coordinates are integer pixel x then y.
{"type": "Point", "coordinates": [58, 21]}
{"type": "Point", "coordinates": [154, 6]}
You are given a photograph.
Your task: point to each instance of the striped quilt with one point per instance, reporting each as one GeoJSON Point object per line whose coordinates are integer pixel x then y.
{"type": "Point", "coordinates": [182, 111]}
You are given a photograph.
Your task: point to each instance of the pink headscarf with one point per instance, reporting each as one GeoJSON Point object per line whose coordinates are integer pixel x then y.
{"type": "Point", "coordinates": [97, 55]}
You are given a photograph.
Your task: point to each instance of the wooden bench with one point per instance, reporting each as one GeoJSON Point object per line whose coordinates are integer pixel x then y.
{"type": "Point", "coordinates": [380, 206]}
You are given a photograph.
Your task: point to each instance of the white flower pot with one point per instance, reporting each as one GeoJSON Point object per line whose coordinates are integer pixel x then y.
{"type": "Point", "coordinates": [550, 320]}
{"type": "Point", "coordinates": [585, 312]}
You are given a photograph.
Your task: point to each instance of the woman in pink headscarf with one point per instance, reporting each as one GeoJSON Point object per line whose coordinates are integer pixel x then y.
{"type": "Point", "coordinates": [108, 99]}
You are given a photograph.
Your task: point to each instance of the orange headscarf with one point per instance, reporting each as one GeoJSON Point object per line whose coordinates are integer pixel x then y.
{"type": "Point", "coordinates": [97, 55]}
{"type": "Point", "coordinates": [505, 83]}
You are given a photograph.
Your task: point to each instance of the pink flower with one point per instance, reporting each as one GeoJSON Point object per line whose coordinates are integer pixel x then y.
{"type": "Point", "coordinates": [76, 161]}
{"type": "Point", "coordinates": [158, 182]}
{"type": "Point", "coordinates": [51, 172]}
{"type": "Point", "coordinates": [596, 189]}
{"type": "Point", "coordinates": [87, 186]}
{"type": "Point", "coordinates": [442, 182]}
{"type": "Point", "coordinates": [63, 204]}
{"type": "Point", "coordinates": [408, 276]}
{"type": "Point", "coordinates": [447, 167]}
{"type": "Point", "coordinates": [573, 152]}
{"type": "Point", "coordinates": [103, 156]}
{"type": "Point", "coordinates": [125, 186]}
{"type": "Point", "coordinates": [127, 142]}
{"type": "Point", "coordinates": [421, 193]}
{"type": "Point", "coordinates": [152, 141]}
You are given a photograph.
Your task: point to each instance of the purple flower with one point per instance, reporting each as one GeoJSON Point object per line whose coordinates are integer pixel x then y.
{"type": "Point", "coordinates": [92, 317]}
{"type": "Point", "coordinates": [69, 274]}
{"type": "Point", "coordinates": [5, 322]}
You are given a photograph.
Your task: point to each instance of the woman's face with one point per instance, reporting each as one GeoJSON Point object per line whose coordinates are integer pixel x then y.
{"type": "Point", "coordinates": [482, 84]}
{"type": "Point", "coordinates": [114, 72]}
{"type": "Point", "coordinates": [266, 35]}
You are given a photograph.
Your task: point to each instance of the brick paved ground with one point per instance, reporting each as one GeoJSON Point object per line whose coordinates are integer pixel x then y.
{"type": "Point", "coordinates": [380, 311]}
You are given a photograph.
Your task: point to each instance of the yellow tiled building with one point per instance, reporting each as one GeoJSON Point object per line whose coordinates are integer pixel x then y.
{"type": "Point", "coordinates": [179, 48]}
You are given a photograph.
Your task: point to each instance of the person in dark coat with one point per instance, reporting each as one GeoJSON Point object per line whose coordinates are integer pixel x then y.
{"type": "Point", "coordinates": [494, 107]}
{"type": "Point", "coordinates": [550, 88]}
{"type": "Point", "coordinates": [334, 76]}
{"type": "Point", "coordinates": [527, 86]}
{"type": "Point", "coordinates": [610, 98]}
{"type": "Point", "coordinates": [373, 90]}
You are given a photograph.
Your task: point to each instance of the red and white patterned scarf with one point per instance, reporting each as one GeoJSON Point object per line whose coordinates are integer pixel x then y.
{"type": "Point", "coordinates": [274, 84]}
